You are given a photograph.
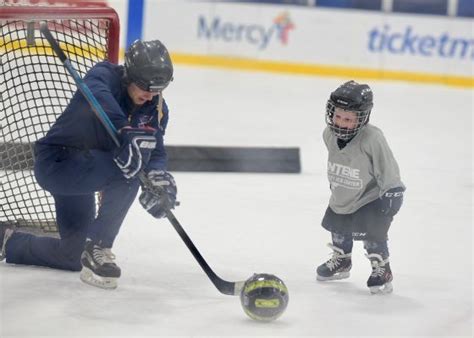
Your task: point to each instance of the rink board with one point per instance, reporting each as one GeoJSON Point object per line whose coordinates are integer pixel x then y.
{"type": "Point", "coordinates": [19, 156]}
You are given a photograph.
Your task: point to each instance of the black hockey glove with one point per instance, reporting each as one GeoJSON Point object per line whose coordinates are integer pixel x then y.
{"type": "Point", "coordinates": [392, 201]}
{"type": "Point", "coordinates": [136, 145]}
{"type": "Point", "coordinates": [159, 193]}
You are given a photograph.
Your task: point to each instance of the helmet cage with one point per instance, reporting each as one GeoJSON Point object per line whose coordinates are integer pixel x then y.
{"type": "Point", "coordinates": [345, 133]}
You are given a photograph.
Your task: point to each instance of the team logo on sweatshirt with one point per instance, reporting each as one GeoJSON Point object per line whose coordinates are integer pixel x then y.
{"type": "Point", "coordinates": [144, 120]}
{"type": "Point", "coordinates": [343, 176]}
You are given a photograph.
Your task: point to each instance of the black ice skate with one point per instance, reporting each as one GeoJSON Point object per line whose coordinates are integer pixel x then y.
{"type": "Point", "coordinates": [380, 281]}
{"type": "Point", "coordinates": [98, 266]}
{"type": "Point", "coordinates": [337, 267]}
{"type": "Point", "coordinates": [5, 233]}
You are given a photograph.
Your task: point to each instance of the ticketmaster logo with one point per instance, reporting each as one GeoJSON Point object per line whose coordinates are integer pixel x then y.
{"type": "Point", "coordinates": [408, 41]}
{"type": "Point", "coordinates": [253, 34]}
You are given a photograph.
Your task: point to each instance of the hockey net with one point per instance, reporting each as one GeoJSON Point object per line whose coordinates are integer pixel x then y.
{"type": "Point", "coordinates": [35, 88]}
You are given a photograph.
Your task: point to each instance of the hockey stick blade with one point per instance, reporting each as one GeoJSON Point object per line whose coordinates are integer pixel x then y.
{"type": "Point", "coordinates": [225, 287]}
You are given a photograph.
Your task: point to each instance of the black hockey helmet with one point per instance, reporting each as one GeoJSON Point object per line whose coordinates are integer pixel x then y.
{"type": "Point", "coordinates": [350, 96]}
{"type": "Point", "coordinates": [148, 65]}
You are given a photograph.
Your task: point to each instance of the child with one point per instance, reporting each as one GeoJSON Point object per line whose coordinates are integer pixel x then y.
{"type": "Point", "coordinates": [366, 190]}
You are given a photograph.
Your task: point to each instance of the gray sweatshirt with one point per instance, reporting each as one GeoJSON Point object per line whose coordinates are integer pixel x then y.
{"type": "Point", "coordinates": [362, 171]}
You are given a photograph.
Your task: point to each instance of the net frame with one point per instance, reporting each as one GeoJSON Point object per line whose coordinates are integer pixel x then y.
{"type": "Point", "coordinates": [34, 90]}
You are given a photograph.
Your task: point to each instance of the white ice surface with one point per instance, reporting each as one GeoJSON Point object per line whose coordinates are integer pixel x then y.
{"type": "Point", "coordinates": [246, 223]}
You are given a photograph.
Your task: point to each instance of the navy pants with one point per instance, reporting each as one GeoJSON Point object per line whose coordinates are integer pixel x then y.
{"type": "Point", "coordinates": [367, 224]}
{"type": "Point", "coordinates": [73, 177]}
{"type": "Point", "coordinates": [345, 242]}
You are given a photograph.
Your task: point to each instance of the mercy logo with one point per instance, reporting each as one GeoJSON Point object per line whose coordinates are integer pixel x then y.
{"type": "Point", "coordinates": [253, 34]}
{"type": "Point", "coordinates": [408, 41]}
{"type": "Point", "coordinates": [344, 176]}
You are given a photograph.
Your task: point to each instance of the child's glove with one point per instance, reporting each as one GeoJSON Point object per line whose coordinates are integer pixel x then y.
{"type": "Point", "coordinates": [392, 201]}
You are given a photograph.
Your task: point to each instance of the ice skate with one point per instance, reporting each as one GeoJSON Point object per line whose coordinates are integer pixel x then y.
{"type": "Point", "coordinates": [380, 281]}
{"type": "Point", "coordinates": [337, 267]}
{"type": "Point", "coordinates": [5, 234]}
{"type": "Point", "coordinates": [98, 266]}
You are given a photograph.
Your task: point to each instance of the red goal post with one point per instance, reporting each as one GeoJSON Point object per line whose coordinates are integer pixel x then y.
{"type": "Point", "coordinates": [106, 15]}
{"type": "Point", "coordinates": [35, 88]}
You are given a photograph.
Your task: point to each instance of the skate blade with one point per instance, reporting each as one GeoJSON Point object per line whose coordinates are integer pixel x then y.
{"type": "Point", "coordinates": [89, 277]}
{"type": "Point", "coordinates": [340, 275]}
{"type": "Point", "coordinates": [382, 289]}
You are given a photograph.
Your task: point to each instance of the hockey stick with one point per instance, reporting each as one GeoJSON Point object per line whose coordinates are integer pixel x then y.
{"type": "Point", "coordinates": [225, 287]}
